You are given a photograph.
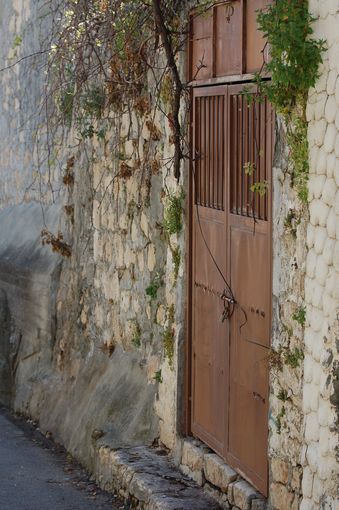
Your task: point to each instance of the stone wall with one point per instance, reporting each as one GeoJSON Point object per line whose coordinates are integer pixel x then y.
{"type": "Point", "coordinates": [320, 392]}
{"type": "Point", "coordinates": [93, 336]}
{"type": "Point", "coordinates": [92, 345]}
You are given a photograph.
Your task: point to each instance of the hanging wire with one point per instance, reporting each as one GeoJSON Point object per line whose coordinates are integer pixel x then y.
{"type": "Point", "coordinates": [227, 296]}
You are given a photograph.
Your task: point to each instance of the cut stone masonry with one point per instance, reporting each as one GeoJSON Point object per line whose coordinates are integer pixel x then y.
{"type": "Point", "coordinates": [148, 478]}
{"type": "Point", "coordinates": [217, 478]}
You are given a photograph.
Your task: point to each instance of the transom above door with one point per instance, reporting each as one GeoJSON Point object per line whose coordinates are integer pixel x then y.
{"type": "Point", "coordinates": [225, 41]}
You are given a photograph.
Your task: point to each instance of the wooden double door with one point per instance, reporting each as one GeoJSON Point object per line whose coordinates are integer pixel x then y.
{"type": "Point", "coordinates": [231, 276]}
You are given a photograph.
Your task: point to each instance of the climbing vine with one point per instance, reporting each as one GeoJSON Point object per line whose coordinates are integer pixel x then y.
{"type": "Point", "coordinates": [293, 67]}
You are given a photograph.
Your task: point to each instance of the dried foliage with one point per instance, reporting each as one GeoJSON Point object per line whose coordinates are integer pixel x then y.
{"type": "Point", "coordinates": [106, 53]}
{"type": "Point", "coordinates": [56, 242]}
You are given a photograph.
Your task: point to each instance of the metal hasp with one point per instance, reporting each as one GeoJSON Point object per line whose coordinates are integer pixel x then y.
{"type": "Point", "coordinates": [231, 250]}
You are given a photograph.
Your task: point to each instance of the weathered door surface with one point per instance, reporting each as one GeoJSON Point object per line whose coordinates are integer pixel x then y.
{"type": "Point", "coordinates": [209, 345]}
{"type": "Point", "coordinates": [231, 258]}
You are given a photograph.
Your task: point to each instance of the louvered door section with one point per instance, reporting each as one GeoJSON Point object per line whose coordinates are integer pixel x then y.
{"type": "Point", "coordinates": [249, 255]}
{"type": "Point", "coordinates": [209, 207]}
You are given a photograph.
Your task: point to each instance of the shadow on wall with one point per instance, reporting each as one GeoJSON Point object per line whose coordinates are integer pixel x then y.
{"type": "Point", "coordinates": [93, 391]}
{"type": "Point", "coordinates": [28, 274]}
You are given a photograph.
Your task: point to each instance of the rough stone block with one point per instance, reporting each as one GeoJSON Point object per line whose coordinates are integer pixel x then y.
{"type": "Point", "coordinates": [259, 504]}
{"type": "Point", "coordinates": [328, 251]}
{"type": "Point", "coordinates": [310, 236]}
{"type": "Point", "coordinates": [217, 472]}
{"type": "Point", "coordinates": [280, 497]}
{"type": "Point", "coordinates": [318, 213]}
{"type": "Point", "coordinates": [311, 428]}
{"type": "Point", "coordinates": [197, 475]}
{"type": "Point", "coordinates": [312, 456]}
{"type": "Point", "coordinates": [311, 263]}
{"type": "Point", "coordinates": [329, 192]}
{"type": "Point", "coordinates": [320, 237]}
{"type": "Point", "coordinates": [296, 479]}
{"type": "Point", "coordinates": [307, 482]}
{"type": "Point", "coordinates": [331, 82]}
{"type": "Point", "coordinates": [336, 202]}
{"type": "Point", "coordinates": [330, 109]}
{"type": "Point", "coordinates": [331, 224]}
{"type": "Point", "coordinates": [336, 256]}
{"type": "Point", "coordinates": [310, 399]}
{"type": "Point", "coordinates": [243, 494]}
{"type": "Point", "coordinates": [279, 468]}
{"type": "Point", "coordinates": [192, 456]}
{"type": "Point", "coordinates": [217, 496]}
{"type": "Point", "coordinates": [321, 270]}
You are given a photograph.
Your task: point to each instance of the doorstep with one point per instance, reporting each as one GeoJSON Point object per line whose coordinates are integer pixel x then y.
{"type": "Point", "coordinates": [148, 480]}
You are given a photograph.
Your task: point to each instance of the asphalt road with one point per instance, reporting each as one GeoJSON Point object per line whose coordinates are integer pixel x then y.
{"type": "Point", "coordinates": [35, 474]}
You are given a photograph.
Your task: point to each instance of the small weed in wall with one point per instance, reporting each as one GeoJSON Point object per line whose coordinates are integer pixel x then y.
{"type": "Point", "coordinates": [173, 213]}
{"type": "Point", "coordinates": [293, 358]}
{"type": "Point", "coordinates": [157, 376]}
{"type": "Point", "coordinates": [154, 286]}
{"type": "Point", "coordinates": [176, 259]}
{"type": "Point", "coordinates": [300, 316]}
{"type": "Point", "coordinates": [136, 338]}
{"type": "Point", "coordinates": [279, 419]}
{"type": "Point", "coordinates": [168, 335]}
{"type": "Point", "coordinates": [282, 395]}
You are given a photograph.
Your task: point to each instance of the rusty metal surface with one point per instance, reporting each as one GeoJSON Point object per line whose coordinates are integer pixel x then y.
{"type": "Point", "coordinates": [229, 369]}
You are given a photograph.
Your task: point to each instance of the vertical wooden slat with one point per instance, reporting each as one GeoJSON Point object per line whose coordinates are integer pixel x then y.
{"type": "Point", "coordinates": [257, 153]}
{"type": "Point", "coordinates": [245, 155]}
{"type": "Point", "coordinates": [239, 148]}
{"type": "Point", "coordinates": [221, 154]}
{"type": "Point", "coordinates": [212, 145]}
{"type": "Point", "coordinates": [203, 169]}
{"type": "Point", "coordinates": [255, 134]}
{"type": "Point", "coordinates": [265, 200]}
{"type": "Point", "coordinates": [196, 151]}
{"type": "Point", "coordinates": [222, 170]}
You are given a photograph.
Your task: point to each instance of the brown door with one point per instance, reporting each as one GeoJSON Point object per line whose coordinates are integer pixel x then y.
{"type": "Point", "coordinates": [209, 344]}
{"type": "Point", "coordinates": [231, 259]}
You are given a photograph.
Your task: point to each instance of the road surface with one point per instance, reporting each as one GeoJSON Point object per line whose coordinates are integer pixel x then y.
{"type": "Point", "coordinates": [35, 474]}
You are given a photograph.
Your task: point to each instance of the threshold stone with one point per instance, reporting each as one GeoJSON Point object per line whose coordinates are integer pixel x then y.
{"type": "Point", "coordinates": [148, 478]}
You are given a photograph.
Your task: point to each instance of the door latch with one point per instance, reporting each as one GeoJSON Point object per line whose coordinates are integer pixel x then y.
{"type": "Point", "coordinates": [229, 303]}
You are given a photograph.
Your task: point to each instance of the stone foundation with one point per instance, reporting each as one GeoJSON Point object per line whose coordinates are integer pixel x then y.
{"type": "Point", "coordinates": [217, 478]}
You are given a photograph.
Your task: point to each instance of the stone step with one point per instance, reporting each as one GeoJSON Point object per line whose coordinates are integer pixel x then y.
{"type": "Point", "coordinates": [147, 478]}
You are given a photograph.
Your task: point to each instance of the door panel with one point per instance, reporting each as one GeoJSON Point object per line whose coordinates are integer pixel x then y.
{"type": "Point", "coordinates": [228, 38]}
{"type": "Point", "coordinates": [249, 339]}
{"type": "Point", "coordinates": [209, 334]}
{"type": "Point", "coordinates": [231, 245]}
{"type": "Point", "coordinates": [256, 49]}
